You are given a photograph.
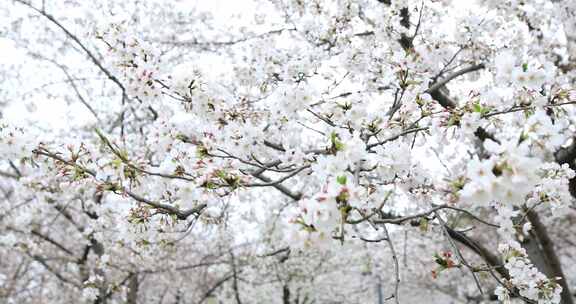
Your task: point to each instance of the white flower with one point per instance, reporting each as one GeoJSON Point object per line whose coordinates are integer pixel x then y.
{"type": "Point", "coordinates": [475, 193]}
{"type": "Point", "coordinates": [329, 165]}
{"type": "Point", "coordinates": [89, 294]}
{"type": "Point", "coordinates": [529, 77]}
{"type": "Point", "coordinates": [168, 165]}
{"type": "Point", "coordinates": [8, 240]}
{"type": "Point", "coordinates": [502, 294]}
{"type": "Point", "coordinates": [540, 128]}
{"type": "Point", "coordinates": [470, 122]}
{"type": "Point", "coordinates": [322, 213]}
{"type": "Point", "coordinates": [14, 142]}
{"type": "Point", "coordinates": [504, 63]}
{"type": "Point", "coordinates": [530, 282]}
{"type": "Point", "coordinates": [481, 172]}
{"type": "Point", "coordinates": [396, 160]}
{"type": "Point", "coordinates": [185, 77]}
{"type": "Point", "coordinates": [354, 149]}
{"type": "Point", "coordinates": [493, 147]}
{"type": "Point", "coordinates": [292, 100]}
{"type": "Point", "coordinates": [105, 258]}
{"type": "Point", "coordinates": [572, 96]}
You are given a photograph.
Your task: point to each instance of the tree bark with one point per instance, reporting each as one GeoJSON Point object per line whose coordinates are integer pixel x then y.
{"type": "Point", "coordinates": [551, 260]}
{"type": "Point", "coordinates": [133, 285]}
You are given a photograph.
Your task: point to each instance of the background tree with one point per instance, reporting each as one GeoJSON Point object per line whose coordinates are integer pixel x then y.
{"type": "Point", "coordinates": [295, 152]}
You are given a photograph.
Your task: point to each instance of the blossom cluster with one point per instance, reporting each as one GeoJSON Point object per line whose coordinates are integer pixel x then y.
{"type": "Point", "coordinates": [15, 142]}
{"type": "Point", "coordinates": [507, 176]}
{"type": "Point", "coordinates": [136, 62]}
{"type": "Point", "coordinates": [530, 282]}
{"type": "Point", "coordinates": [346, 121]}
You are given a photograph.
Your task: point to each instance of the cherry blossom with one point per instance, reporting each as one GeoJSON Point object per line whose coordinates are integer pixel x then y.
{"type": "Point", "coordinates": [287, 151]}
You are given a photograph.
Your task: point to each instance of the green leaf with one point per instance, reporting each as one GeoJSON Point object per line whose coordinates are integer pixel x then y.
{"type": "Point", "coordinates": [201, 151]}
{"type": "Point", "coordinates": [116, 162]}
{"type": "Point", "coordinates": [440, 261]}
{"type": "Point", "coordinates": [458, 184]}
{"type": "Point", "coordinates": [453, 120]}
{"type": "Point", "coordinates": [336, 143]}
{"type": "Point", "coordinates": [79, 173]}
{"type": "Point", "coordinates": [423, 224]}
{"type": "Point", "coordinates": [477, 108]}
{"type": "Point", "coordinates": [181, 137]}
{"type": "Point", "coordinates": [341, 180]}
{"type": "Point", "coordinates": [333, 137]}
{"type": "Point", "coordinates": [221, 174]}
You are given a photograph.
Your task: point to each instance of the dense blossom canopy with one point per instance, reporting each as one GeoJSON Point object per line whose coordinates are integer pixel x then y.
{"type": "Point", "coordinates": [288, 151]}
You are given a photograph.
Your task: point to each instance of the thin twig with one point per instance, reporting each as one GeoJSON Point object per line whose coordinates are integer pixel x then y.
{"type": "Point", "coordinates": [458, 253]}
{"type": "Point", "coordinates": [396, 266]}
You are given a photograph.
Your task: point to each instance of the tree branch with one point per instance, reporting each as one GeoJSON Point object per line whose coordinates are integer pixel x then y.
{"type": "Point", "coordinates": [547, 249]}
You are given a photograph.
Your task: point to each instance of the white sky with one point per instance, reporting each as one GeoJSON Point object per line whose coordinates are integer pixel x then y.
{"type": "Point", "coordinates": [59, 114]}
